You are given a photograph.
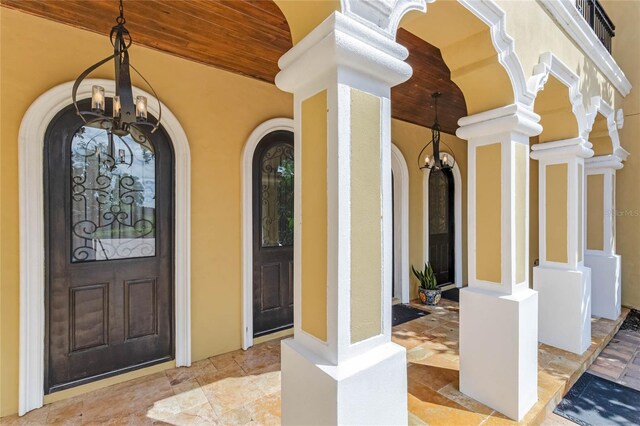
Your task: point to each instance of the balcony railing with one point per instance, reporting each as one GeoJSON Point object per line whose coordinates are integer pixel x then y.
{"type": "Point", "coordinates": [597, 18]}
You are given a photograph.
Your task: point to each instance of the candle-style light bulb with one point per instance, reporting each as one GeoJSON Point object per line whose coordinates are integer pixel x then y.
{"type": "Point", "coordinates": [117, 107]}
{"type": "Point", "coordinates": [97, 99]}
{"type": "Point", "coordinates": [445, 160]}
{"type": "Point", "coordinates": [141, 108]}
{"type": "Point", "coordinates": [426, 160]}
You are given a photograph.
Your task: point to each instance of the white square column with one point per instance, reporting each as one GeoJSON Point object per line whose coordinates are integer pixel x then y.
{"type": "Point", "coordinates": [562, 280]}
{"type": "Point", "coordinates": [601, 257]}
{"type": "Point", "coordinates": [498, 311]}
{"type": "Point", "coordinates": [341, 366]}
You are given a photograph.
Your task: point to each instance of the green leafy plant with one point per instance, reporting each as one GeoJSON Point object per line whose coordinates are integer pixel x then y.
{"type": "Point", "coordinates": [427, 277]}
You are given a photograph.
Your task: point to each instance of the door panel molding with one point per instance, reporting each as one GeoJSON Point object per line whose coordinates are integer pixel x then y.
{"type": "Point", "coordinates": [254, 139]}
{"type": "Point", "coordinates": [32, 266]}
{"type": "Point", "coordinates": [457, 201]}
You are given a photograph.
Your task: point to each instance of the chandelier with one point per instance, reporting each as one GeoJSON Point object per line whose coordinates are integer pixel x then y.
{"type": "Point", "coordinates": [437, 160]}
{"type": "Point", "coordinates": [128, 115]}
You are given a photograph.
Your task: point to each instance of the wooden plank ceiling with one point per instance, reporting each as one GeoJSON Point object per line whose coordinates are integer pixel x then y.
{"type": "Point", "coordinates": [247, 37]}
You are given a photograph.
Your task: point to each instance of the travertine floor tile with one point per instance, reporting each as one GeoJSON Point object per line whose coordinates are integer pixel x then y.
{"type": "Point", "coordinates": [243, 387]}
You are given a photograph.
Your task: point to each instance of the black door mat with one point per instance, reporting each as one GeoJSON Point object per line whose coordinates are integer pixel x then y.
{"type": "Point", "coordinates": [452, 294]}
{"type": "Point", "coordinates": [594, 401]}
{"type": "Point", "coordinates": [632, 322]}
{"type": "Point", "coordinates": [403, 313]}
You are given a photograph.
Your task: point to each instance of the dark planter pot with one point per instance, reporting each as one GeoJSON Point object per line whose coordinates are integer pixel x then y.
{"type": "Point", "coordinates": [430, 297]}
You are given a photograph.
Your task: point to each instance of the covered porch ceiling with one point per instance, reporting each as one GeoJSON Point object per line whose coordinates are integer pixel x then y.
{"type": "Point", "coordinates": [248, 37]}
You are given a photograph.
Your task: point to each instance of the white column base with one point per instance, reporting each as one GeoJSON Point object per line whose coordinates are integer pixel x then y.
{"type": "Point", "coordinates": [369, 389]}
{"type": "Point", "coordinates": [565, 307]}
{"type": "Point", "coordinates": [499, 349]}
{"type": "Point", "coordinates": [606, 286]}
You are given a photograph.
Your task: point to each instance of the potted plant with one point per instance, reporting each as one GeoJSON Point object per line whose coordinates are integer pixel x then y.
{"type": "Point", "coordinates": [429, 292]}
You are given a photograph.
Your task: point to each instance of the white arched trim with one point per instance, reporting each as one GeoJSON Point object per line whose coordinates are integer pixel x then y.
{"type": "Point", "coordinates": [549, 64]}
{"type": "Point", "coordinates": [32, 269]}
{"type": "Point", "coordinates": [457, 210]}
{"type": "Point", "coordinates": [401, 224]}
{"type": "Point", "coordinates": [247, 220]}
{"type": "Point", "coordinates": [599, 106]}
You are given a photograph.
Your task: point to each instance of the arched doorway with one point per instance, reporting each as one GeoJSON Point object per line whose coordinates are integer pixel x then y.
{"type": "Point", "coordinates": [273, 172]}
{"type": "Point", "coordinates": [32, 241]}
{"type": "Point", "coordinates": [109, 251]}
{"type": "Point", "coordinates": [250, 153]}
{"type": "Point", "coordinates": [442, 226]}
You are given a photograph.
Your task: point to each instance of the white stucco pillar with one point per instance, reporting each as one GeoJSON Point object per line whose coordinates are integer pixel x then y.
{"type": "Point", "coordinates": [601, 257]}
{"type": "Point", "coordinates": [341, 366]}
{"type": "Point", "coordinates": [562, 281]}
{"type": "Point", "coordinates": [498, 310]}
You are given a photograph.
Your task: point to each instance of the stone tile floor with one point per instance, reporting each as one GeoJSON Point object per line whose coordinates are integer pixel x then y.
{"type": "Point", "coordinates": [243, 387]}
{"type": "Point", "coordinates": [620, 360]}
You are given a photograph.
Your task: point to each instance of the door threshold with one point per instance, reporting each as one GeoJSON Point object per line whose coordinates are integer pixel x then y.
{"type": "Point", "coordinates": [447, 287]}
{"type": "Point", "coordinates": [273, 336]}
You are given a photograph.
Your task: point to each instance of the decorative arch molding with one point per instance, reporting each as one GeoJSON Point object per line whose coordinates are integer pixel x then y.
{"type": "Point", "coordinates": [495, 18]}
{"type": "Point", "coordinates": [549, 64]}
{"type": "Point", "coordinates": [600, 106]}
{"type": "Point", "coordinates": [32, 267]}
{"type": "Point", "coordinates": [383, 16]}
{"type": "Point", "coordinates": [400, 224]}
{"type": "Point", "coordinates": [457, 211]}
{"type": "Point", "coordinates": [250, 146]}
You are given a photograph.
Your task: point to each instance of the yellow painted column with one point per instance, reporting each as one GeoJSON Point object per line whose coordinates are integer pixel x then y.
{"type": "Point", "coordinates": [498, 311]}
{"type": "Point", "coordinates": [601, 254]}
{"type": "Point", "coordinates": [562, 280]}
{"type": "Point", "coordinates": [343, 229]}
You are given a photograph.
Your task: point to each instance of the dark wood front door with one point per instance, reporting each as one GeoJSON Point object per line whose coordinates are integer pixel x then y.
{"type": "Point", "coordinates": [109, 252]}
{"type": "Point", "coordinates": [273, 169]}
{"type": "Point", "coordinates": [442, 226]}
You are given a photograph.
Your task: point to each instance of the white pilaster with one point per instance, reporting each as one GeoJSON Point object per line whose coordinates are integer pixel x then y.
{"type": "Point", "coordinates": [344, 369]}
{"type": "Point", "coordinates": [606, 287]}
{"type": "Point", "coordinates": [498, 311]}
{"type": "Point", "coordinates": [562, 280]}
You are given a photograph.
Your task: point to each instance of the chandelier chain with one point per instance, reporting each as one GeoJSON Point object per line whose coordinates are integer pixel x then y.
{"type": "Point", "coordinates": [120, 19]}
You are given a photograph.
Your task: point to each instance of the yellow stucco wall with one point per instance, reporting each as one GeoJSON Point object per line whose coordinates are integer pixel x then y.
{"type": "Point", "coordinates": [218, 111]}
{"type": "Point", "coordinates": [304, 15]}
{"type": "Point", "coordinates": [556, 212]}
{"type": "Point", "coordinates": [626, 15]}
{"type": "Point", "coordinates": [366, 225]}
{"type": "Point", "coordinates": [595, 212]}
{"type": "Point", "coordinates": [488, 226]}
{"type": "Point", "coordinates": [314, 215]}
{"type": "Point", "coordinates": [556, 115]}
{"type": "Point", "coordinates": [521, 157]}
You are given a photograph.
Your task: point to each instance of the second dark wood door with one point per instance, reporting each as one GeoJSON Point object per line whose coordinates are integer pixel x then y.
{"type": "Point", "coordinates": [441, 226]}
{"type": "Point", "coordinates": [273, 171]}
{"type": "Point", "coordinates": [109, 257]}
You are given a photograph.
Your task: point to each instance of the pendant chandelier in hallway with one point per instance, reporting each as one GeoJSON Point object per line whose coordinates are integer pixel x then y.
{"type": "Point", "coordinates": [128, 116]}
{"type": "Point", "coordinates": [437, 160]}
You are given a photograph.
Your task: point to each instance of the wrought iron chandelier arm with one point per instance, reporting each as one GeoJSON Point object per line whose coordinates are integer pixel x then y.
{"type": "Point", "coordinates": [80, 79]}
{"type": "Point", "coordinates": [422, 164]}
{"type": "Point", "coordinates": [155, 95]}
